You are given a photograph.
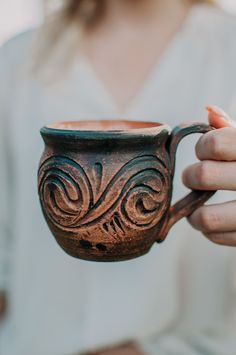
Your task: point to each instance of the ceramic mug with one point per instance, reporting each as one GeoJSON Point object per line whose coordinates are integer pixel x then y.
{"type": "Point", "coordinates": [105, 187]}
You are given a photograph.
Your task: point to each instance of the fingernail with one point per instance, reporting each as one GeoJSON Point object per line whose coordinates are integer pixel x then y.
{"type": "Point", "coordinates": [217, 110]}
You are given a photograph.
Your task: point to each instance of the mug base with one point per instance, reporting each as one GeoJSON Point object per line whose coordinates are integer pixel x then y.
{"type": "Point", "coordinates": [99, 253]}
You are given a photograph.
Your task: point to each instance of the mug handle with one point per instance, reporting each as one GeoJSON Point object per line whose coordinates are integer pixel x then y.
{"type": "Point", "coordinates": [194, 199]}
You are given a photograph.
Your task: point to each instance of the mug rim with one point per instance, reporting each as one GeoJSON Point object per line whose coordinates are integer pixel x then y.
{"type": "Point", "coordinates": [145, 128]}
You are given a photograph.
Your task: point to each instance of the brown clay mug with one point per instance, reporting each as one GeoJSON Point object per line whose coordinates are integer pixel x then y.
{"type": "Point", "coordinates": [106, 186]}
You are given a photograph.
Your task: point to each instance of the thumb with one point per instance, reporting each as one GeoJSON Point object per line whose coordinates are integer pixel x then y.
{"type": "Point", "coordinates": [218, 118]}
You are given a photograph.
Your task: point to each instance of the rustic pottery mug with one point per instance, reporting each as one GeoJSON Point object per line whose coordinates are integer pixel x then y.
{"type": "Point", "coordinates": [105, 187]}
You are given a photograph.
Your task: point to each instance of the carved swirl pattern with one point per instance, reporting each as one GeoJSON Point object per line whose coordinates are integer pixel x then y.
{"type": "Point", "coordinates": [135, 197]}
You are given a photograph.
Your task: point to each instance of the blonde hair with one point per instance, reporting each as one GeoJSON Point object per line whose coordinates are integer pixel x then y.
{"type": "Point", "coordinates": [91, 11]}
{"type": "Point", "coordinates": [68, 22]}
{"type": "Point", "coordinates": [83, 11]}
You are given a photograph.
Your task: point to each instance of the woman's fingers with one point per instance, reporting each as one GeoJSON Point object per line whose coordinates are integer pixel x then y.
{"type": "Point", "coordinates": [216, 222]}
{"type": "Point", "coordinates": [227, 239]}
{"type": "Point", "coordinates": [215, 219]}
{"type": "Point", "coordinates": [219, 144]}
{"type": "Point", "coordinates": [218, 118]}
{"type": "Point", "coordinates": [215, 171]}
{"type": "Point", "coordinates": [210, 175]}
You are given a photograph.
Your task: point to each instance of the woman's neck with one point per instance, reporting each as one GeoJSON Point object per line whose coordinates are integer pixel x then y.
{"type": "Point", "coordinates": [129, 41]}
{"type": "Point", "coordinates": [144, 11]}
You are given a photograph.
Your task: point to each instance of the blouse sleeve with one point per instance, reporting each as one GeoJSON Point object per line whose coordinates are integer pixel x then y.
{"type": "Point", "coordinates": [4, 179]}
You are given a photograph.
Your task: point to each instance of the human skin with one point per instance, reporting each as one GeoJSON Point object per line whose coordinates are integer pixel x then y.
{"type": "Point", "coordinates": [151, 29]}
{"type": "Point", "coordinates": [216, 151]}
{"type": "Point", "coordinates": [216, 170]}
{"type": "Point", "coordinates": [3, 303]}
{"type": "Point", "coordinates": [126, 349]}
{"type": "Point", "coordinates": [129, 350]}
{"type": "Point", "coordinates": [149, 25]}
{"type": "Point", "coordinates": [125, 47]}
{"type": "Point", "coordinates": [145, 21]}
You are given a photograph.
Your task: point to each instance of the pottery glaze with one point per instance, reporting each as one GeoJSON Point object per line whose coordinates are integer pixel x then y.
{"type": "Point", "coordinates": [105, 187]}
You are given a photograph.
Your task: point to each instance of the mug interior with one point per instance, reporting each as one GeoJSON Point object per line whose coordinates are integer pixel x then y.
{"type": "Point", "coordinates": [104, 125]}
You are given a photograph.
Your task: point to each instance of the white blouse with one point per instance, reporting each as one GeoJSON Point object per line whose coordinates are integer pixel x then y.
{"type": "Point", "coordinates": [180, 298]}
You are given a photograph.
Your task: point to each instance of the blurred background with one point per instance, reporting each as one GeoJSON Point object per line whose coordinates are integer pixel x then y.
{"type": "Point", "coordinates": [18, 15]}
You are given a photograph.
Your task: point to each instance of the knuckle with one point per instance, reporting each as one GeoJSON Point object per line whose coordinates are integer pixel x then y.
{"type": "Point", "coordinates": [200, 147]}
{"type": "Point", "coordinates": [209, 221]}
{"type": "Point", "coordinates": [203, 174]}
{"type": "Point", "coordinates": [212, 237]}
{"type": "Point", "coordinates": [215, 145]}
{"type": "Point", "coordinates": [216, 239]}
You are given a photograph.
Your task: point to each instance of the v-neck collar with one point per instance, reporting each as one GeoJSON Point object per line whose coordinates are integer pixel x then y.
{"type": "Point", "coordinates": [156, 75]}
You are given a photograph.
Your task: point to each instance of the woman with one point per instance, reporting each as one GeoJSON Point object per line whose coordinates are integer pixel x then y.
{"type": "Point", "coordinates": [146, 59]}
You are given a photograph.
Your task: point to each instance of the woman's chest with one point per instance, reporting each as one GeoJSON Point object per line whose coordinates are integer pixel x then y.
{"type": "Point", "coordinates": [175, 93]}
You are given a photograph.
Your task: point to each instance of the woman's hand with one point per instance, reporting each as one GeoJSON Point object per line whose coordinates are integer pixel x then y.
{"type": "Point", "coordinates": [126, 349]}
{"type": "Point", "coordinates": [122, 351]}
{"type": "Point", "coordinates": [215, 171]}
{"type": "Point", "coordinates": [3, 304]}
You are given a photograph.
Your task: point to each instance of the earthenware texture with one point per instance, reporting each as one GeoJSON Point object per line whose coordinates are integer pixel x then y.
{"type": "Point", "coordinates": [105, 187]}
